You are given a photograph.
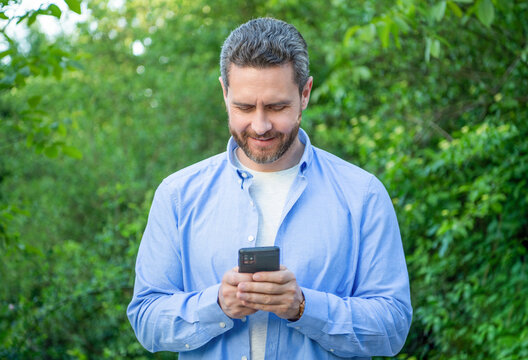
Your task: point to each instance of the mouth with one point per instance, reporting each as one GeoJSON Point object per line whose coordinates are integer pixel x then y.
{"type": "Point", "coordinates": [262, 141]}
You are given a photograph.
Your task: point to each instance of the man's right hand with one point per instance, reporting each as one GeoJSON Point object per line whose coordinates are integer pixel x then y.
{"type": "Point", "coordinates": [227, 298]}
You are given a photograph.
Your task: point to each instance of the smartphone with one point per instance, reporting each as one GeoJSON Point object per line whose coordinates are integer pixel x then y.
{"type": "Point", "coordinates": [255, 259]}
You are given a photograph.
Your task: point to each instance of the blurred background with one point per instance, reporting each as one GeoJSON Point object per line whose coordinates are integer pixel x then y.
{"type": "Point", "coordinates": [99, 101]}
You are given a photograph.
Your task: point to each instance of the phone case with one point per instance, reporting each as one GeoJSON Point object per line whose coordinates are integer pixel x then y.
{"type": "Point", "coordinates": [264, 258]}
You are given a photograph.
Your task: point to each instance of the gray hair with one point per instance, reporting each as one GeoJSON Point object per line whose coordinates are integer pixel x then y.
{"type": "Point", "coordinates": [266, 42]}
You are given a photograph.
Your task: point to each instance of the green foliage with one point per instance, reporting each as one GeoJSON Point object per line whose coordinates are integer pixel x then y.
{"type": "Point", "coordinates": [447, 136]}
{"type": "Point", "coordinates": [17, 67]}
{"type": "Point", "coordinates": [31, 120]}
{"type": "Point", "coordinates": [74, 5]}
{"type": "Point", "coordinates": [428, 95]}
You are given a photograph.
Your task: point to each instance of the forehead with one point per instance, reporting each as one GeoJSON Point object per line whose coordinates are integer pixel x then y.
{"type": "Point", "coordinates": [269, 81]}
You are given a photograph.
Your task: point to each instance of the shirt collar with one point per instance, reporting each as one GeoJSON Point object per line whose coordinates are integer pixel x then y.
{"type": "Point", "coordinates": [305, 161]}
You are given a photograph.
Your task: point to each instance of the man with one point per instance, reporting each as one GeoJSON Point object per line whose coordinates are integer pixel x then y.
{"type": "Point", "coordinates": [342, 291]}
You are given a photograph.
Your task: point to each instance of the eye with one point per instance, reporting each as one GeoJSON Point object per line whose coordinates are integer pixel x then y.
{"type": "Point", "coordinates": [244, 108]}
{"type": "Point", "coordinates": [277, 107]}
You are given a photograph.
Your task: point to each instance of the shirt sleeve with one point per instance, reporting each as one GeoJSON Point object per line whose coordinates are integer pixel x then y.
{"type": "Point", "coordinates": [375, 319]}
{"type": "Point", "coordinates": [164, 316]}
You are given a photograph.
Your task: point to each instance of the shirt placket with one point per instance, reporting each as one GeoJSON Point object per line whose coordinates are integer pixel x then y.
{"type": "Point", "coordinates": [251, 220]}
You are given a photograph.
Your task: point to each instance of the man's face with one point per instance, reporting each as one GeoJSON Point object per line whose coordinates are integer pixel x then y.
{"type": "Point", "coordinates": [265, 108]}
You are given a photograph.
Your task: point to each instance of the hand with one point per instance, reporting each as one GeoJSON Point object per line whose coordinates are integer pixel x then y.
{"type": "Point", "coordinates": [227, 299]}
{"type": "Point", "coordinates": [273, 291]}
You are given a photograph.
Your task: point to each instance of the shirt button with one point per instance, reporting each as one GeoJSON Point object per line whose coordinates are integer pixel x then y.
{"type": "Point", "coordinates": [187, 346]}
{"type": "Point", "coordinates": [244, 319]}
{"type": "Point", "coordinates": [331, 350]}
{"type": "Point", "coordinates": [297, 328]}
{"type": "Point", "coordinates": [222, 324]}
{"type": "Point", "coordinates": [244, 357]}
{"type": "Point", "coordinates": [251, 238]}
{"type": "Point", "coordinates": [244, 175]}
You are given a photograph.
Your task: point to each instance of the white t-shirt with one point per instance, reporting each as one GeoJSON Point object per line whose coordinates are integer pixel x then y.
{"type": "Point", "coordinates": [268, 191]}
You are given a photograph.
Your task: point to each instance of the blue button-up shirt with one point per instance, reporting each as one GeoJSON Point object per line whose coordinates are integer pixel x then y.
{"type": "Point", "coordinates": [338, 234]}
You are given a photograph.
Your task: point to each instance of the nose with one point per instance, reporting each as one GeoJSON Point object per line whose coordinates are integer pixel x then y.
{"type": "Point", "coordinates": [260, 123]}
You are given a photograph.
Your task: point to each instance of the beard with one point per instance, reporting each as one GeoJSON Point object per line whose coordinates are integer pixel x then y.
{"type": "Point", "coordinates": [265, 156]}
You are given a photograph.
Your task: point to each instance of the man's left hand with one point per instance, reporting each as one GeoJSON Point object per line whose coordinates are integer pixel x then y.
{"type": "Point", "coordinates": [273, 291]}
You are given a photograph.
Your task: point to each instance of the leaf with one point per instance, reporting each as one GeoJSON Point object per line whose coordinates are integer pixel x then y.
{"type": "Point", "coordinates": [3, 16]}
{"type": "Point", "coordinates": [438, 11]}
{"type": "Point", "coordinates": [72, 152]}
{"type": "Point", "coordinates": [427, 54]}
{"type": "Point", "coordinates": [367, 33]}
{"type": "Point", "coordinates": [55, 11]}
{"type": "Point", "coordinates": [29, 139]}
{"type": "Point", "coordinates": [349, 33]}
{"type": "Point", "coordinates": [51, 151]}
{"type": "Point", "coordinates": [5, 53]}
{"type": "Point", "coordinates": [74, 65]}
{"type": "Point", "coordinates": [395, 33]}
{"type": "Point", "coordinates": [464, 1]}
{"type": "Point", "coordinates": [32, 250]}
{"type": "Point", "coordinates": [485, 12]}
{"type": "Point", "coordinates": [435, 48]}
{"type": "Point", "coordinates": [20, 19]}
{"type": "Point", "coordinates": [402, 25]}
{"type": "Point", "coordinates": [34, 101]}
{"type": "Point", "coordinates": [384, 34]}
{"type": "Point", "coordinates": [455, 9]}
{"type": "Point", "coordinates": [61, 130]}
{"type": "Point", "coordinates": [74, 5]}
{"type": "Point", "coordinates": [57, 71]}
{"type": "Point", "coordinates": [32, 19]}
{"type": "Point", "coordinates": [361, 73]}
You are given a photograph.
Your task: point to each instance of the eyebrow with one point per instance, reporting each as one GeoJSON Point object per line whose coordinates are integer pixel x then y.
{"type": "Point", "coordinates": [279, 103]}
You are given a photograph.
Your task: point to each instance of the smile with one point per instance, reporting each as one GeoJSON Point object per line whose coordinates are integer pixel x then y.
{"type": "Point", "coordinates": [262, 140]}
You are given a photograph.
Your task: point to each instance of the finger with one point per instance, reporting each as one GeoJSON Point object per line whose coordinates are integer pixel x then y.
{"type": "Point", "coordinates": [284, 311]}
{"type": "Point", "coordinates": [277, 309]}
{"type": "Point", "coordinates": [263, 288]}
{"type": "Point", "coordinates": [230, 304]}
{"type": "Point", "coordinates": [279, 277]}
{"type": "Point", "coordinates": [263, 299]}
{"type": "Point", "coordinates": [240, 311]}
{"type": "Point", "coordinates": [233, 277]}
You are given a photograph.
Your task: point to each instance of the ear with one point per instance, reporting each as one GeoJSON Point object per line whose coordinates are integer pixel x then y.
{"type": "Point", "coordinates": [305, 95]}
